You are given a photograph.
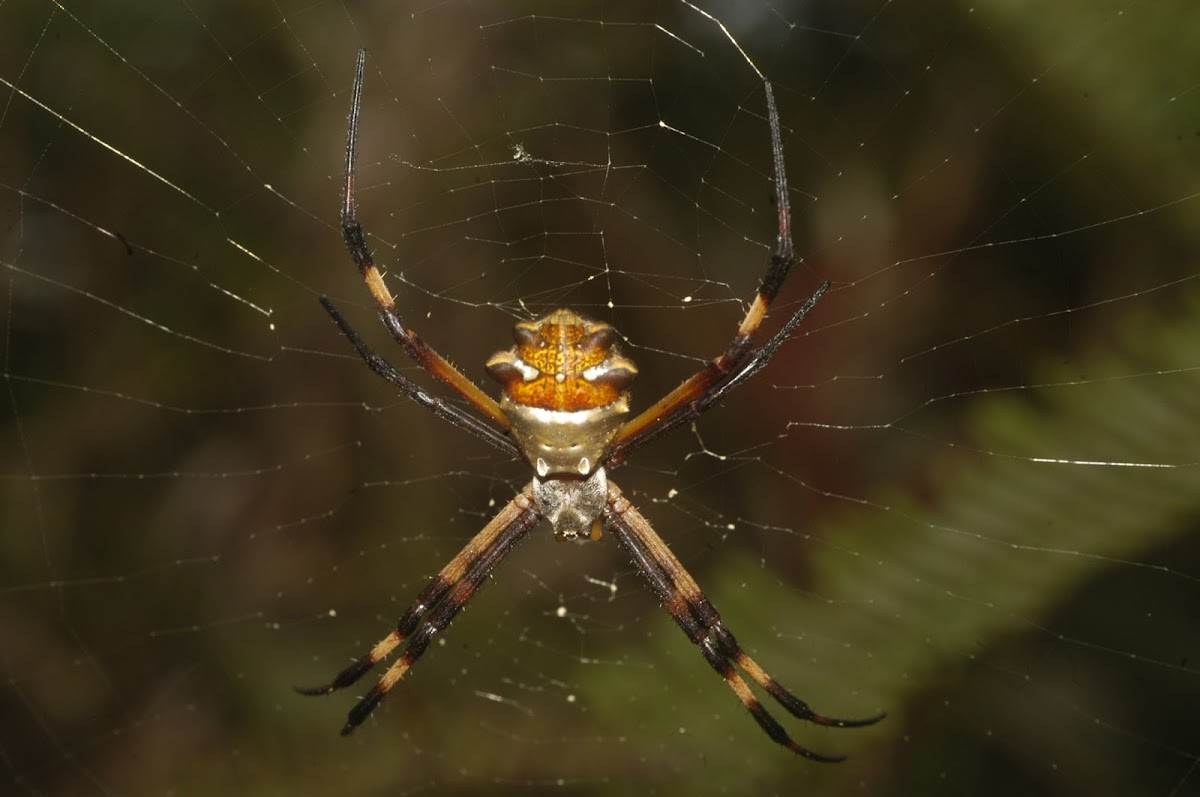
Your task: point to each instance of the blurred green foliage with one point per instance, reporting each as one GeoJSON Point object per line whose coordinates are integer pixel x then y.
{"type": "Point", "coordinates": [1004, 194]}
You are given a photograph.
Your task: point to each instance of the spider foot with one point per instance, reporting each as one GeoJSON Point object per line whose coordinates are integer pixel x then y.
{"type": "Point", "coordinates": [801, 710]}
{"type": "Point", "coordinates": [724, 665]}
{"type": "Point", "coordinates": [364, 708]}
{"type": "Point", "coordinates": [312, 691]}
{"type": "Point", "coordinates": [794, 705]}
{"type": "Point", "coordinates": [834, 722]}
{"type": "Point", "coordinates": [771, 725]}
{"type": "Point", "coordinates": [811, 756]}
{"type": "Point", "coordinates": [340, 681]}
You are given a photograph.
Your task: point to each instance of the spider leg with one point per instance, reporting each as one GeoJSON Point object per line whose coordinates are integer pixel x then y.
{"type": "Point", "coordinates": [715, 393]}
{"type": "Point", "coordinates": [664, 414]}
{"type": "Point", "coordinates": [751, 366]}
{"type": "Point", "coordinates": [360, 253]}
{"type": "Point", "coordinates": [412, 390]}
{"type": "Point", "coordinates": [699, 619]}
{"type": "Point", "coordinates": [438, 603]}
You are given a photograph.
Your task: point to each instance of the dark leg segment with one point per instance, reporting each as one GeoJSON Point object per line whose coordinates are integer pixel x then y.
{"type": "Point", "coordinates": [682, 402]}
{"type": "Point", "coordinates": [699, 619]}
{"type": "Point", "coordinates": [447, 412]}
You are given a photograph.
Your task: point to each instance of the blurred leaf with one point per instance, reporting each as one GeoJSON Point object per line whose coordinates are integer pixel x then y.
{"type": "Point", "coordinates": [911, 590]}
{"type": "Point", "coordinates": [1117, 101]}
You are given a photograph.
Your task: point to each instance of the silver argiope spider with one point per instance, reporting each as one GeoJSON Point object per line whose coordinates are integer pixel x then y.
{"type": "Point", "coordinates": [564, 397]}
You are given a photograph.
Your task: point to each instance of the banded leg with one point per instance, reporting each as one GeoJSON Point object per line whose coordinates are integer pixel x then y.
{"type": "Point", "coordinates": [438, 603]}
{"type": "Point", "coordinates": [447, 412]}
{"type": "Point", "coordinates": [698, 618]}
{"type": "Point", "coordinates": [673, 409]}
{"type": "Point", "coordinates": [694, 406]}
{"type": "Point", "coordinates": [356, 243]}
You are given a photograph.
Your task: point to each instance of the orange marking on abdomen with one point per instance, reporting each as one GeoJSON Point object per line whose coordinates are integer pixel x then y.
{"type": "Point", "coordinates": [569, 395]}
{"type": "Point", "coordinates": [561, 347]}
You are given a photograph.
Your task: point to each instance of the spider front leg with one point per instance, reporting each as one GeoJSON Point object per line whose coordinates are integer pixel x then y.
{"type": "Point", "coordinates": [438, 603]}
{"type": "Point", "coordinates": [701, 390]}
{"type": "Point", "coordinates": [698, 618]}
{"type": "Point", "coordinates": [356, 243]}
{"type": "Point", "coordinates": [439, 407]}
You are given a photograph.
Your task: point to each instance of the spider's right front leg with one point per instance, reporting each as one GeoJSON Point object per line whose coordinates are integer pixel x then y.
{"type": "Point", "coordinates": [705, 387]}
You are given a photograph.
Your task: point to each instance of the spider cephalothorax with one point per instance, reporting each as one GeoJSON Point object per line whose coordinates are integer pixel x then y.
{"type": "Point", "coordinates": [562, 409]}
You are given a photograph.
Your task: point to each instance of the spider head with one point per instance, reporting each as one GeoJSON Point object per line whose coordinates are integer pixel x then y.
{"type": "Point", "coordinates": [564, 391]}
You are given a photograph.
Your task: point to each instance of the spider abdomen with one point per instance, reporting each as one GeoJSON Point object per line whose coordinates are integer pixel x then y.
{"type": "Point", "coordinates": [563, 391]}
{"type": "Point", "coordinates": [563, 361]}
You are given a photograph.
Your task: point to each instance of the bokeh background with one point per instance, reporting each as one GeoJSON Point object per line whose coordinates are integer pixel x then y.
{"type": "Point", "coordinates": [967, 493]}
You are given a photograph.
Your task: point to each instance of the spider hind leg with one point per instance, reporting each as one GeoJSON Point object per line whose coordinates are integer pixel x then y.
{"type": "Point", "coordinates": [436, 605]}
{"type": "Point", "coordinates": [698, 618]}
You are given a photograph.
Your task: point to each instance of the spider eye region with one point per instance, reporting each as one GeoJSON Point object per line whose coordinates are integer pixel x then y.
{"type": "Point", "coordinates": [564, 391]}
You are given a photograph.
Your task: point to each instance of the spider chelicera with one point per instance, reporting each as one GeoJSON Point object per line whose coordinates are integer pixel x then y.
{"type": "Point", "coordinates": [562, 406]}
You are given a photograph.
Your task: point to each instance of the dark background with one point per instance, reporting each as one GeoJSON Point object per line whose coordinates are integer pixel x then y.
{"type": "Point", "coordinates": [966, 493]}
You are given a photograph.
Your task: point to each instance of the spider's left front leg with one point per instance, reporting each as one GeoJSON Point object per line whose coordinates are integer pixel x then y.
{"type": "Point", "coordinates": [698, 618]}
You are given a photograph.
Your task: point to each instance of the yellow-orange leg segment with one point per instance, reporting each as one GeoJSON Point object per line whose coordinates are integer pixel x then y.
{"type": "Point", "coordinates": [438, 603]}
{"type": "Point", "coordinates": [693, 612]}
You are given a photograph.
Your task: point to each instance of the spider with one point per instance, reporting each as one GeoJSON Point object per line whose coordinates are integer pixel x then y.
{"type": "Point", "coordinates": [564, 397]}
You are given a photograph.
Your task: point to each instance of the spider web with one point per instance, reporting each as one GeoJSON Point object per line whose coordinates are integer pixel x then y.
{"type": "Point", "coordinates": [966, 493]}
